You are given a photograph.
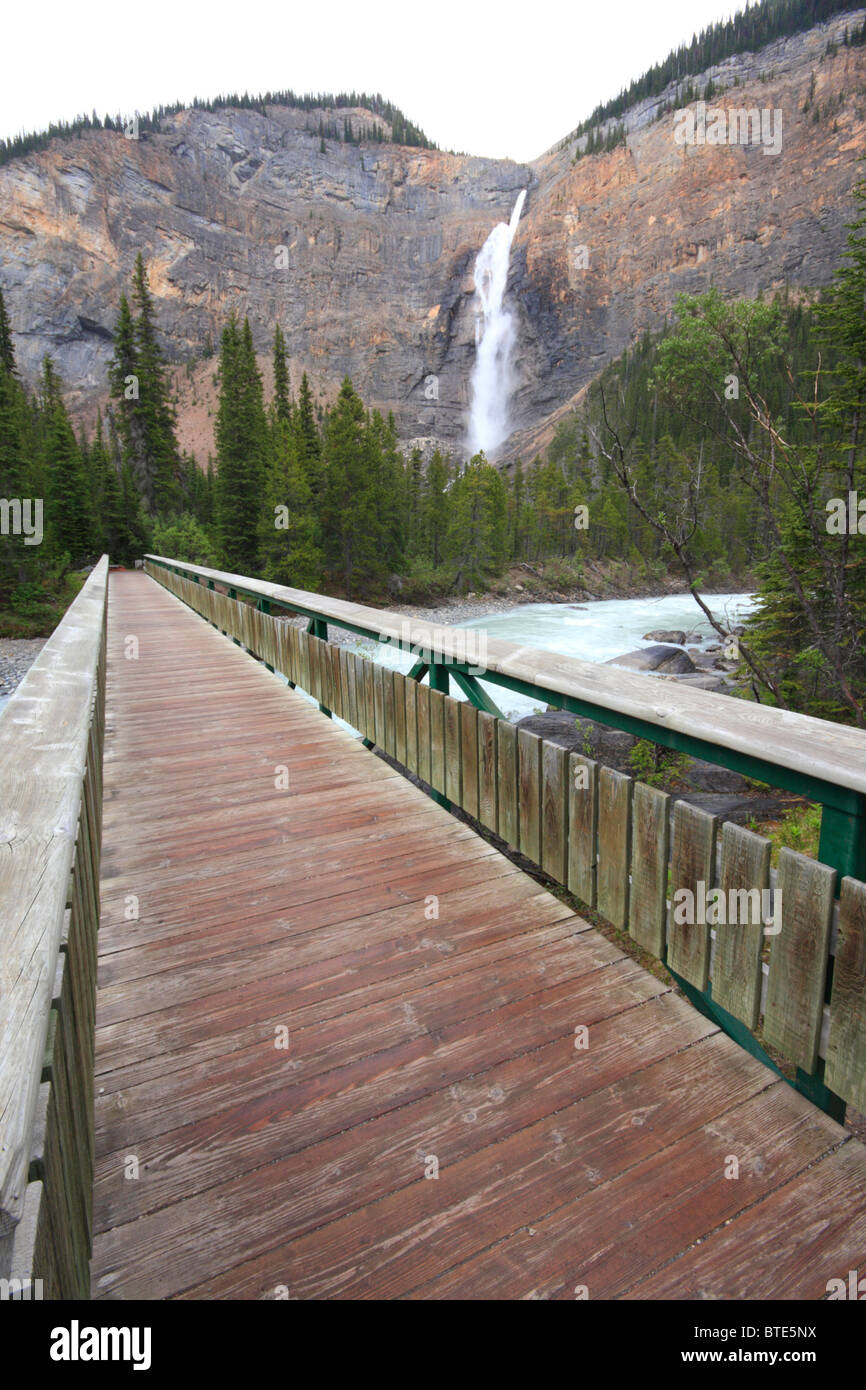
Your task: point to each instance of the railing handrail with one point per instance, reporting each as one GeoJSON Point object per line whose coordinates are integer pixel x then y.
{"type": "Point", "coordinates": [813, 750]}
{"type": "Point", "coordinates": [44, 735]}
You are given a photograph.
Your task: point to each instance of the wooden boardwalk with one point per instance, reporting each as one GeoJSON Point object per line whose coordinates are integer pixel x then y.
{"type": "Point", "coordinates": [231, 1166]}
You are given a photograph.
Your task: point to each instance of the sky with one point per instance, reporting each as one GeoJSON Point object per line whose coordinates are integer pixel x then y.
{"type": "Point", "coordinates": [506, 80]}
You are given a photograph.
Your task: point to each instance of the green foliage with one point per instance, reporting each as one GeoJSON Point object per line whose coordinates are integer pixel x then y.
{"type": "Point", "coordinates": [655, 765]}
{"type": "Point", "coordinates": [183, 538]}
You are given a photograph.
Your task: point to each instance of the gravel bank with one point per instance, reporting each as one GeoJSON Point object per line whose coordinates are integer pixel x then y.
{"type": "Point", "coordinates": [17, 655]}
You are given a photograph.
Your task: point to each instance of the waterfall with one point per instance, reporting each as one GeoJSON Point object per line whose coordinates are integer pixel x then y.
{"type": "Point", "coordinates": [492, 379]}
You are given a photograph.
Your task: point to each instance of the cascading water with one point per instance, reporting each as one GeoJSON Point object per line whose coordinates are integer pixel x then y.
{"type": "Point", "coordinates": [492, 378]}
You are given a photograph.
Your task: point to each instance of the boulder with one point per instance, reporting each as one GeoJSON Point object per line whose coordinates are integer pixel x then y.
{"type": "Point", "coordinates": [667, 660]}
{"type": "Point", "coordinates": [662, 635]}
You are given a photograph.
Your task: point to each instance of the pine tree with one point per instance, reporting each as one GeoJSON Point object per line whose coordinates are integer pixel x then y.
{"type": "Point", "coordinates": [68, 507]}
{"type": "Point", "coordinates": [241, 437]}
{"type": "Point", "coordinates": [7, 351]}
{"type": "Point", "coordinates": [282, 398]}
{"type": "Point", "coordinates": [154, 406]}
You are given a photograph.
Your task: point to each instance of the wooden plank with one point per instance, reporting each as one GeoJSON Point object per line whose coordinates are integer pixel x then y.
{"type": "Point", "coordinates": [365, 682]}
{"type": "Point", "coordinates": [554, 811]}
{"type": "Point", "coordinates": [469, 758]}
{"type": "Point", "coordinates": [44, 743]}
{"type": "Point", "coordinates": [400, 717]}
{"type": "Point", "coordinates": [453, 788]}
{"type": "Point", "coordinates": [529, 794]}
{"type": "Point", "coordinates": [411, 696]}
{"type": "Point", "coordinates": [389, 743]}
{"type": "Point", "coordinates": [845, 1071]}
{"type": "Point", "coordinates": [582, 827]}
{"type": "Point", "coordinates": [799, 948]}
{"type": "Point", "coordinates": [347, 710]}
{"type": "Point", "coordinates": [647, 911]}
{"type": "Point", "coordinates": [745, 874]}
{"type": "Point", "coordinates": [487, 795]}
{"type": "Point", "coordinates": [379, 704]}
{"type": "Point", "coordinates": [693, 863]}
{"type": "Point", "coordinates": [336, 681]}
{"type": "Point", "coordinates": [422, 710]}
{"type": "Point", "coordinates": [508, 804]}
{"type": "Point", "coordinates": [615, 792]}
{"type": "Point", "coordinates": [437, 740]}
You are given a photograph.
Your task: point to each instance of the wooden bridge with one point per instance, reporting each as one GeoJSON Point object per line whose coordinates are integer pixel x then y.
{"type": "Point", "coordinates": [341, 1045]}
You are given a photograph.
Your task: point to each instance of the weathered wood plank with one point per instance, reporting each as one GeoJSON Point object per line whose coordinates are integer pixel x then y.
{"type": "Point", "coordinates": [400, 717]}
{"type": "Point", "coordinates": [469, 758]}
{"type": "Point", "coordinates": [422, 710]}
{"type": "Point", "coordinates": [411, 696]}
{"type": "Point", "coordinates": [507, 783]}
{"type": "Point", "coordinates": [437, 740]}
{"type": "Point", "coordinates": [41, 788]}
{"type": "Point", "coordinates": [615, 792]}
{"type": "Point", "coordinates": [845, 1070]}
{"type": "Point", "coordinates": [554, 811]}
{"type": "Point", "coordinates": [799, 949]}
{"type": "Point", "coordinates": [529, 794]}
{"type": "Point", "coordinates": [582, 827]}
{"type": "Point", "coordinates": [745, 874]}
{"type": "Point", "coordinates": [693, 863]}
{"type": "Point", "coordinates": [487, 763]}
{"type": "Point", "coordinates": [647, 908]}
{"type": "Point", "coordinates": [390, 713]}
{"type": "Point", "coordinates": [452, 751]}
{"type": "Point", "coordinates": [379, 703]}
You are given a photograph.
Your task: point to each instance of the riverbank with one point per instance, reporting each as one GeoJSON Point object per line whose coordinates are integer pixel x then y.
{"type": "Point", "coordinates": [525, 583]}
{"type": "Point", "coordinates": [17, 655]}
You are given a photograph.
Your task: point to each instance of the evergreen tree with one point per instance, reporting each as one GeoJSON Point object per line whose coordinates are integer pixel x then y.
{"type": "Point", "coordinates": [282, 398]}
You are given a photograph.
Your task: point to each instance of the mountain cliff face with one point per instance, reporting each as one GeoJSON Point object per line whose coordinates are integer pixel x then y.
{"type": "Point", "coordinates": [364, 253]}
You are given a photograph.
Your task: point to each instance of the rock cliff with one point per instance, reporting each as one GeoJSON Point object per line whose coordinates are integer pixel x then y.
{"type": "Point", "coordinates": [364, 253]}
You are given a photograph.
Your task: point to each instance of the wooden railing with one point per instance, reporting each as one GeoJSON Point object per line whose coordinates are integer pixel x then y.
{"type": "Point", "coordinates": [51, 739]}
{"type": "Point", "coordinates": [795, 972]}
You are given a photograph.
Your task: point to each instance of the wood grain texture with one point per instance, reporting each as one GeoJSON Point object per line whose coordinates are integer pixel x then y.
{"type": "Point", "coordinates": [554, 811]}
{"type": "Point", "coordinates": [845, 1071]}
{"type": "Point", "coordinates": [437, 740]}
{"type": "Point", "coordinates": [799, 950]}
{"type": "Point", "coordinates": [582, 827]}
{"type": "Point", "coordinates": [469, 758]}
{"type": "Point", "coordinates": [487, 771]}
{"type": "Point", "coordinates": [453, 770]}
{"type": "Point", "coordinates": [413, 1033]}
{"type": "Point", "coordinates": [615, 792]}
{"type": "Point", "coordinates": [507, 783]}
{"type": "Point", "coordinates": [745, 872]}
{"type": "Point", "coordinates": [647, 906]}
{"type": "Point", "coordinates": [529, 794]}
{"type": "Point", "coordinates": [693, 861]}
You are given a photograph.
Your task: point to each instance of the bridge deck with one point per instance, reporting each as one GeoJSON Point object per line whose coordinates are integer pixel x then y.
{"type": "Point", "coordinates": [413, 1041]}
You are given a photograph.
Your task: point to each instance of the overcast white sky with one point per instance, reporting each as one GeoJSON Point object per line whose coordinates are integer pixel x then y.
{"type": "Point", "coordinates": [496, 80]}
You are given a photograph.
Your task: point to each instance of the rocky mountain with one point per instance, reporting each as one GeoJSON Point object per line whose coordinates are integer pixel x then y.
{"type": "Point", "coordinates": [364, 252]}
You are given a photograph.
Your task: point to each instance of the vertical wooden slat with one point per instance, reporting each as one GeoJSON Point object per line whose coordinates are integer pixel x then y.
{"type": "Point", "coordinates": [647, 912]}
{"type": "Point", "coordinates": [437, 740]}
{"type": "Point", "coordinates": [487, 798]}
{"type": "Point", "coordinates": [737, 962]}
{"type": "Point", "coordinates": [582, 827]}
{"type": "Point", "coordinates": [400, 717]}
{"type": "Point", "coordinates": [379, 702]}
{"type": "Point", "coordinates": [554, 811]}
{"type": "Point", "coordinates": [336, 681]}
{"type": "Point", "coordinates": [422, 710]}
{"type": "Point", "coordinates": [304, 678]}
{"type": "Point", "coordinates": [469, 758]}
{"type": "Point", "coordinates": [615, 792]}
{"type": "Point", "coordinates": [507, 783]}
{"type": "Point", "coordinates": [799, 948]}
{"type": "Point", "coordinates": [529, 793]}
{"type": "Point", "coordinates": [693, 862]}
{"type": "Point", "coordinates": [845, 1070]}
{"type": "Point", "coordinates": [369, 674]}
{"type": "Point", "coordinates": [346, 670]}
{"type": "Point", "coordinates": [452, 751]}
{"type": "Point", "coordinates": [411, 696]}
{"type": "Point", "coordinates": [390, 712]}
